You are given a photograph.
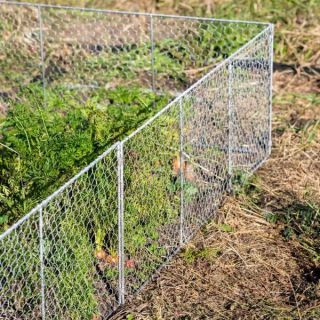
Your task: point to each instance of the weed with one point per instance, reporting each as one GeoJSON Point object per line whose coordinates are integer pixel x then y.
{"type": "Point", "coordinates": [224, 227]}
{"type": "Point", "coordinates": [190, 255]}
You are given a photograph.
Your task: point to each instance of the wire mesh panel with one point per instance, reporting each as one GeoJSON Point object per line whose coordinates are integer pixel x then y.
{"type": "Point", "coordinates": [20, 280]}
{"type": "Point", "coordinates": [98, 239]}
{"type": "Point", "coordinates": [205, 149]}
{"type": "Point", "coordinates": [151, 197]}
{"type": "Point", "coordinates": [249, 83]}
{"type": "Point", "coordinates": [197, 45]}
{"type": "Point", "coordinates": [20, 58]}
{"type": "Point", "coordinates": [80, 231]}
{"type": "Point", "coordinates": [85, 49]}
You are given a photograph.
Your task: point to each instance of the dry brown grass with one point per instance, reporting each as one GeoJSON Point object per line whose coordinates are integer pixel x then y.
{"type": "Point", "coordinates": [294, 169]}
{"type": "Point", "coordinates": [252, 272]}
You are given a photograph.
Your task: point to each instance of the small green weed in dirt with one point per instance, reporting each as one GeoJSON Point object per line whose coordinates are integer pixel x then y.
{"type": "Point", "coordinates": [242, 184]}
{"type": "Point", "coordinates": [302, 221]}
{"type": "Point", "coordinates": [191, 254]}
{"type": "Point", "coordinates": [224, 227]}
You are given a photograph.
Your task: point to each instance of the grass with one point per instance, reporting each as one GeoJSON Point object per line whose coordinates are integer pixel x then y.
{"type": "Point", "coordinates": [299, 215]}
{"type": "Point", "coordinates": [297, 132]}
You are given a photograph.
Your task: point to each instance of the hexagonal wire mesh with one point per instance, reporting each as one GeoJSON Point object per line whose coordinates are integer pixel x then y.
{"type": "Point", "coordinates": [105, 233]}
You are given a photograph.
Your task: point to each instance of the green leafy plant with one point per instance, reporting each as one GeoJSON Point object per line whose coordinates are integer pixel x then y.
{"type": "Point", "coordinates": [46, 140]}
{"type": "Point", "coordinates": [191, 254]}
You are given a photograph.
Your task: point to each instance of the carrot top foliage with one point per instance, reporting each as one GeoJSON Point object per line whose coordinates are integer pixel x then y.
{"type": "Point", "coordinates": [46, 140]}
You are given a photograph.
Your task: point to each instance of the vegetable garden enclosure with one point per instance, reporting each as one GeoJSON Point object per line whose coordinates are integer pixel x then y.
{"type": "Point", "coordinates": [120, 134]}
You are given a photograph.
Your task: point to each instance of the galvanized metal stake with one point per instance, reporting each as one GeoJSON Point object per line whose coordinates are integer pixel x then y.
{"type": "Point", "coordinates": [43, 308]}
{"type": "Point", "coordinates": [230, 125]}
{"type": "Point", "coordinates": [181, 173]}
{"type": "Point", "coordinates": [270, 88]}
{"type": "Point", "coordinates": [42, 49]}
{"type": "Point", "coordinates": [121, 223]}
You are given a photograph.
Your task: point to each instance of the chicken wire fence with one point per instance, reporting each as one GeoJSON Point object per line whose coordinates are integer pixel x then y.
{"type": "Point", "coordinates": [101, 237]}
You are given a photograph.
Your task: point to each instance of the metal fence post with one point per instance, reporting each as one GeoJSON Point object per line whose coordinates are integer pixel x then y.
{"type": "Point", "coordinates": [43, 309]}
{"type": "Point", "coordinates": [270, 88]}
{"type": "Point", "coordinates": [42, 50]}
{"type": "Point", "coordinates": [181, 172]}
{"type": "Point", "coordinates": [230, 125]}
{"type": "Point", "coordinates": [152, 52]}
{"type": "Point", "coordinates": [121, 222]}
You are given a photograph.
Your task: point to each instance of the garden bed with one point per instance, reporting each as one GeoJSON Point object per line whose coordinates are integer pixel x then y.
{"type": "Point", "coordinates": [157, 162]}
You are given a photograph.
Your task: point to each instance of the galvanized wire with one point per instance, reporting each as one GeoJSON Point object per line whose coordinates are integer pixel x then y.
{"type": "Point", "coordinates": [102, 236]}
